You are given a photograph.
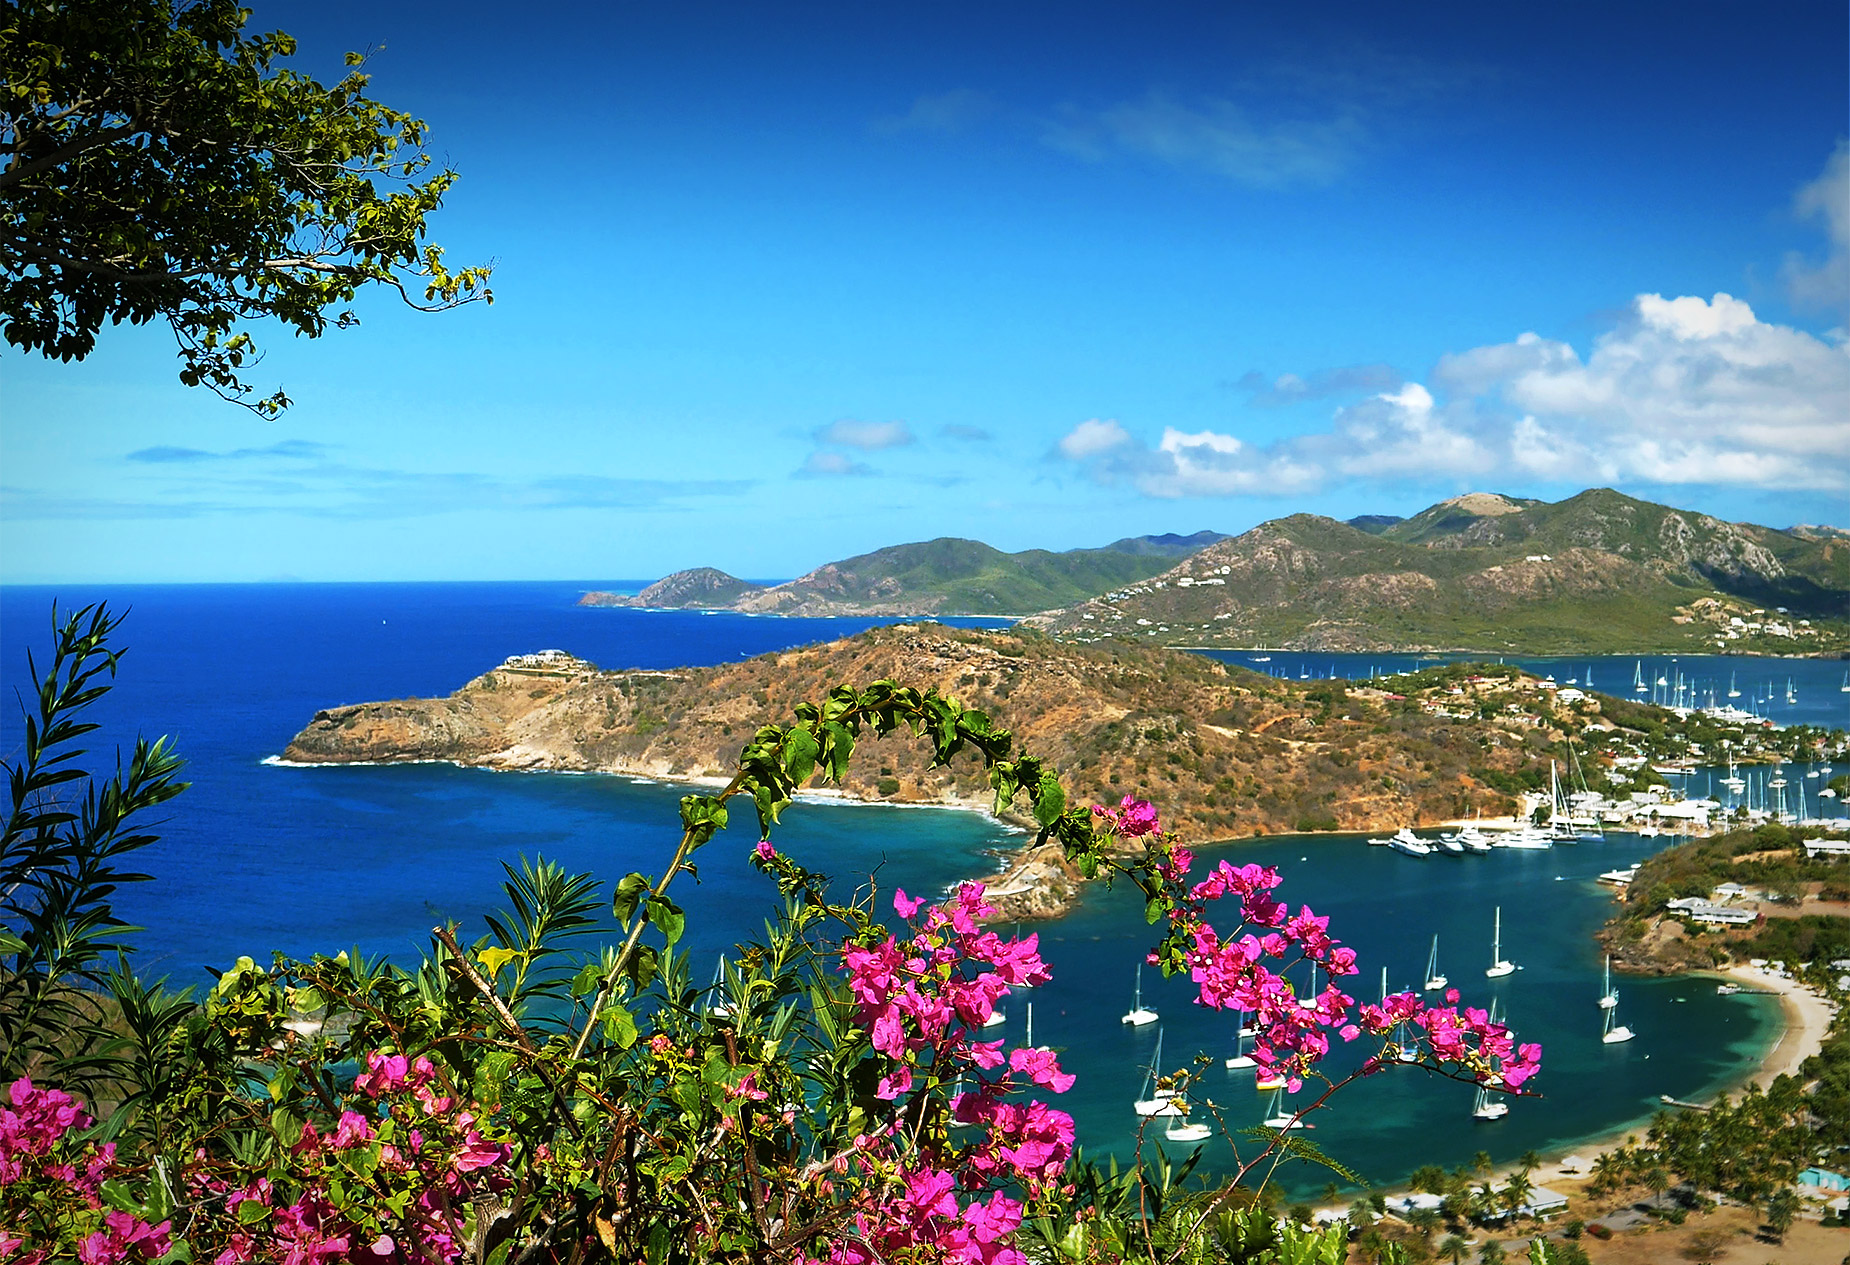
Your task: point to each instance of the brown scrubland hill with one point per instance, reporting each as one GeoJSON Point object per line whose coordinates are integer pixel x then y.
{"type": "Point", "coordinates": [1224, 751]}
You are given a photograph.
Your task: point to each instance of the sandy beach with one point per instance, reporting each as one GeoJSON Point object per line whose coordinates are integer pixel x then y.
{"type": "Point", "coordinates": [1807, 1020]}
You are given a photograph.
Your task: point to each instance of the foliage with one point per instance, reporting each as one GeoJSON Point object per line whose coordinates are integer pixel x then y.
{"type": "Point", "coordinates": [518, 1100]}
{"type": "Point", "coordinates": [61, 855]}
{"type": "Point", "coordinates": [160, 164]}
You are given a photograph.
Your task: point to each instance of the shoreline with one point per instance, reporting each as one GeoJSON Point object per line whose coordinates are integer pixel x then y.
{"type": "Point", "coordinates": [1806, 1018]}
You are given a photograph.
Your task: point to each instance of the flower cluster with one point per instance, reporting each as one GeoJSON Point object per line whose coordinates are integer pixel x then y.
{"type": "Point", "coordinates": [1246, 972]}
{"type": "Point", "coordinates": [922, 1000]}
{"type": "Point", "coordinates": [410, 1147]}
{"type": "Point", "coordinates": [51, 1187]}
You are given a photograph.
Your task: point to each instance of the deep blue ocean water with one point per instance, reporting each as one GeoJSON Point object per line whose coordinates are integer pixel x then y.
{"type": "Point", "coordinates": [258, 857]}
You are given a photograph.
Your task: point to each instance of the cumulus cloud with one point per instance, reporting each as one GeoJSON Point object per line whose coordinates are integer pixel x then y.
{"type": "Point", "coordinates": [1684, 390]}
{"type": "Point", "coordinates": [1090, 438]}
{"type": "Point", "coordinates": [824, 465]}
{"type": "Point", "coordinates": [866, 436]}
{"type": "Point", "coordinates": [1825, 283]}
{"type": "Point", "coordinates": [1214, 135]}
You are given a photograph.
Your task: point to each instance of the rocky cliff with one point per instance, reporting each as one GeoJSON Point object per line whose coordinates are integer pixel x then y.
{"type": "Point", "coordinates": [1223, 752]}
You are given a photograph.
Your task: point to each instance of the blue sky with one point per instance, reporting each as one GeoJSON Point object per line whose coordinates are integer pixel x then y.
{"type": "Point", "coordinates": [780, 284]}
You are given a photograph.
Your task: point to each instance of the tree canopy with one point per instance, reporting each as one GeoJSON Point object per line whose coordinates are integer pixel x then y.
{"type": "Point", "coordinates": [156, 162]}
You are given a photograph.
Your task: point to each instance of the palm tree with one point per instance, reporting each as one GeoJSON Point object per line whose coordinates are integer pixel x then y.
{"type": "Point", "coordinates": [1427, 1221]}
{"type": "Point", "coordinates": [1517, 1191]}
{"type": "Point", "coordinates": [1491, 1253]}
{"type": "Point", "coordinates": [1455, 1247]}
{"type": "Point", "coordinates": [1780, 1211]}
{"type": "Point", "coordinates": [1658, 1179]}
{"type": "Point", "coordinates": [1481, 1163]}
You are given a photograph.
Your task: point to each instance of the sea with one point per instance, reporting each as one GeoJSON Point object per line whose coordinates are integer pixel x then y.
{"type": "Point", "coordinates": [260, 856]}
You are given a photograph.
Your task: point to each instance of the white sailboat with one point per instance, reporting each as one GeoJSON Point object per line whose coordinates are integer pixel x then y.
{"type": "Point", "coordinates": [1309, 1002]}
{"type": "Point", "coordinates": [1487, 1107]}
{"type": "Point", "coordinates": [1155, 1101]}
{"type": "Point", "coordinates": [1240, 1058]}
{"type": "Point", "coordinates": [719, 1007]}
{"type": "Point", "coordinates": [1734, 690]}
{"type": "Point", "coordinates": [1139, 1014]}
{"type": "Point", "coordinates": [1615, 1032]}
{"type": "Point", "coordinates": [1498, 967]}
{"type": "Point", "coordinates": [1608, 996]}
{"type": "Point", "coordinates": [1277, 1117]}
{"type": "Point", "coordinates": [1185, 1131]}
{"type": "Point", "coordinates": [1638, 685]}
{"type": "Point", "coordinates": [1434, 980]}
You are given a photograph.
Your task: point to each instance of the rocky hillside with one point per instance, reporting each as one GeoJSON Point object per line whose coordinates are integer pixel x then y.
{"type": "Point", "coordinates": [702, 588]}
{"type": "Point", "coordinates": [1224, 752]}
{"type": "Point", "coordinates": [1597, 573]}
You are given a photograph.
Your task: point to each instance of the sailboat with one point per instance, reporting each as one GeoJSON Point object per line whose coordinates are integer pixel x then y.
{"type": "Point", "coordinates": [1638, 684]}
{"type": "Point", "coordinates": [1486, 1107]}
{"type": "Point", "coordinates": [1733, 690]}
{"type": "Point", "coordinates": [719, 1007]}
{"type": "Point", "coordinates": [1498, 967]}
{"type": "Point", "coordinates": [1309, 1001]}
{"type": "Point", "coordinates": [1277, 1117]}
{"type": "Point", "coordinates": [1139, 1014]}
{"type": "Point", "coordinates": [1240, 1058]}
{"type": "Point", "coordinates": [1154, 1101]}
{"type": "Point", "coordinates": [1615, 1032]}
{"type": "Point", "coordinates": [1609, 996]}
{"type": "Point", "coordinates": [1029, 1043]}
{"type": "Point", "coordinates": [1845, 687]}
{"type": "Point", "coordinates": [1434, 980]}
{"type": "Point", "coordinates": [1185, 1131]}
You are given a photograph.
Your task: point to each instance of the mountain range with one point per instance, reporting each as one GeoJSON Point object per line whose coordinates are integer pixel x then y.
{"type": "Point", "coordinates": [1599, 572]}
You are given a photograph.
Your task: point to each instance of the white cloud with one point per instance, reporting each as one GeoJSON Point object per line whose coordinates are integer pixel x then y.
{"type": "Point", "coordinates": [1216, 135]}
{"type": "Point", "coordinates": [1683, 391]}
{"type": "Point", "coordinates": [1090, 438]}
{"type": "Point", "coordinates": [831, 465]}
{"type": "Point", "coordinates": [867, 436]}
{"type": "Point", "coordinates": [943, 112]}
{"type": "Point", "coordinates": [1825, 284]}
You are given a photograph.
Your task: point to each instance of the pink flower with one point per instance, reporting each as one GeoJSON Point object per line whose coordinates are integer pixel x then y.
{"type": "Point", "coordinates": [384, 1073]}
{"type": "Point", "coordinates": [353, 1131]}
{"type": "Point", "coordinates": [765, 852]}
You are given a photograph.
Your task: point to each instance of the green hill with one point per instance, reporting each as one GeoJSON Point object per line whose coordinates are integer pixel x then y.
{"type": "Point", "coordinates": [1597, 572]}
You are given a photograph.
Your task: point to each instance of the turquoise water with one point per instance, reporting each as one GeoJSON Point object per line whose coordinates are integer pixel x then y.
{"type": "Point", "coordinates": [257, 857]}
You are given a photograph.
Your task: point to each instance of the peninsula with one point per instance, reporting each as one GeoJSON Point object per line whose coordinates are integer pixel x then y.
{"type": "Point", "coordinates": [1229, 753]}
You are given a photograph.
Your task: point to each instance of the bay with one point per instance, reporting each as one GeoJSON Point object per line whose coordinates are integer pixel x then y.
{"type": "Point", "coordinates": [257, 857]}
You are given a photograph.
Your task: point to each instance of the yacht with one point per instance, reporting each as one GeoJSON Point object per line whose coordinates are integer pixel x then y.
{"type": "Point", "coordinates": [1183, 1131]}
{"type": "Point", "coordinates": [1139, 1014]}
{"type": "Point", "coordinates": [1434, 980]}
{"type": "Point", "coordinates": [1154, 1100]}
{"type": "Point", "coordinates": [1488, 1108]}
{"type": "Point", "coordinates": [1528, 839]}
{"type": "Point", "coordinates": [1615, 1032]}
{"type": "Point", "coordinates": [1405, 841]}
{"type": "Point", "coordinates": [1498, 966]}
{"type": "Point", "coordinates": [1277, 1117]}
{"type": "Point", "coordinates": [1609, 996]}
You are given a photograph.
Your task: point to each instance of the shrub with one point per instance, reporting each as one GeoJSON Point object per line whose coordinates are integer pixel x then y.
{"type": "Point", "coordinates": [1600, 1232]}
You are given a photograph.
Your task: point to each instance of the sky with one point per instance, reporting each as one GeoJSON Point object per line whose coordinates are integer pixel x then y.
{"type": "Point", "coordinates": [776, 285]}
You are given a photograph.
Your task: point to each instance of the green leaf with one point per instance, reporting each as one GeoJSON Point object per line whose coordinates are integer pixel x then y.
{"type": "Point", "coordinates": [629, 891]}
{"type": "Point", "coordinates": [800, 752]}
{"type": "Point", "coordinates": [1049, 799]}
{"type": "Point", "coordinates": [667, 916]}
{"type": "Point", "coordinates": [619, 1027]}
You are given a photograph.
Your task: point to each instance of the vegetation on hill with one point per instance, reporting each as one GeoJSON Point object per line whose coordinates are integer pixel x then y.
{"type": "Point", "coordinates": [1646, 935]}
{"type": "Point", "coordinates": [947, 576]}
{"type": "Point", "coordinates": [1596, 573]}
